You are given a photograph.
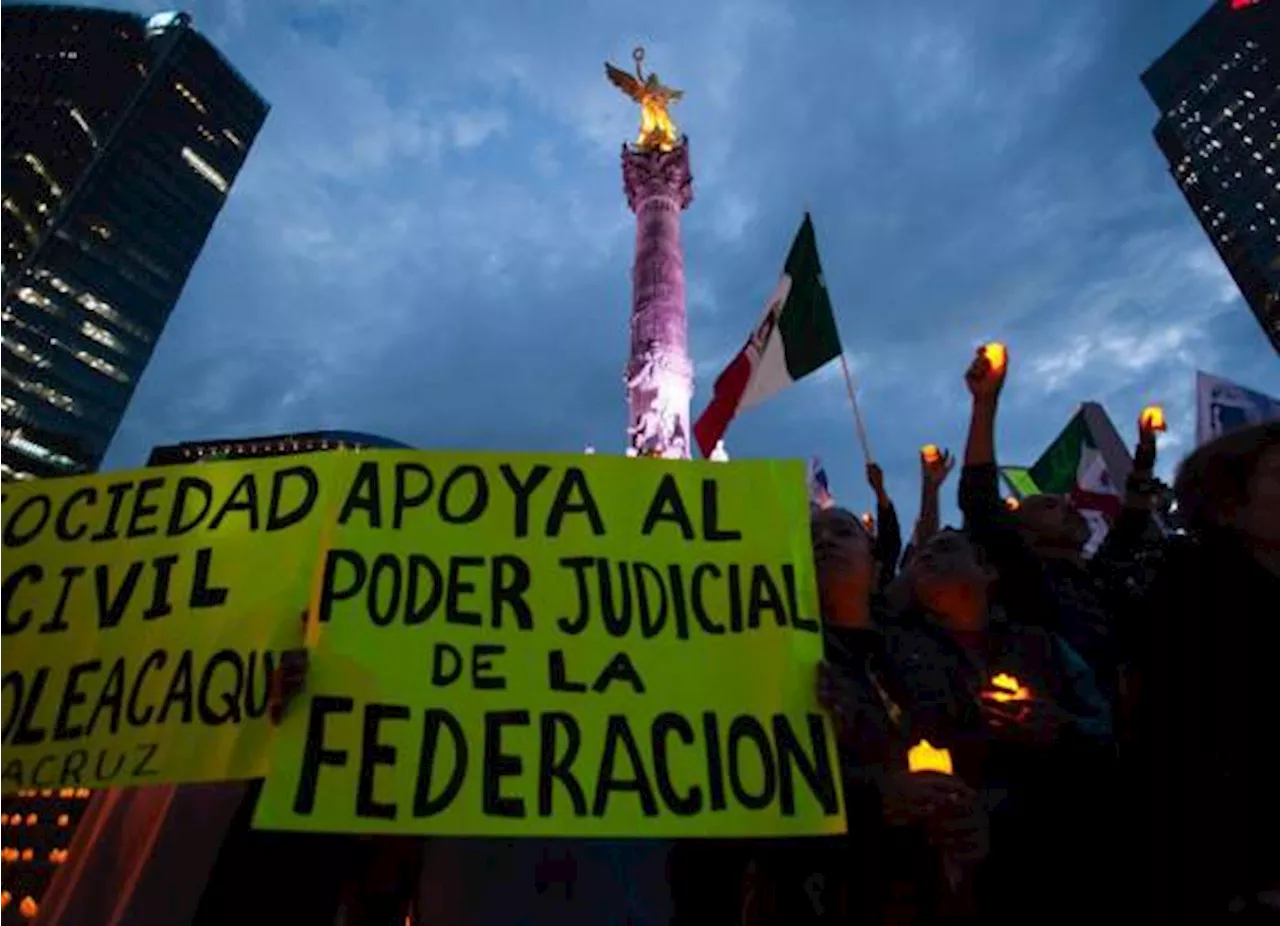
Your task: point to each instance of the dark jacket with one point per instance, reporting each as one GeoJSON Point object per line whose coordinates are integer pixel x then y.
{"type": "Point", "coordinates": [1206, 713]}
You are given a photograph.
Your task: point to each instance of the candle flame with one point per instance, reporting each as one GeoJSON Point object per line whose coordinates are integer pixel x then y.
{"type": "Point", "coordinates": [997, 355]}
{"type": "Point", "coordinates": [1152, 419]}
{"type": "Point", "coordinates": [1012, 503]}
{"type": "Point", "coordinates": [868, 521]}
{"type": "Point", "coordinates": [930, 453]}
{"type": "Point", "coordinates": [1008, 688]}
{"type": "Point", "coordinates": [923, 757]}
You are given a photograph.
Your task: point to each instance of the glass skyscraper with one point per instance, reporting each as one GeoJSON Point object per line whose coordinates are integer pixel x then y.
{"type": "Point", "coordinates": [122, 137]}
{"type": "Point", "coordinates": [1218, 89]}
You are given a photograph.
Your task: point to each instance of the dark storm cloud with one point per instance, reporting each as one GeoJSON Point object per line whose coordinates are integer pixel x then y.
{"type": "Point", "coordinates": [430, 239]}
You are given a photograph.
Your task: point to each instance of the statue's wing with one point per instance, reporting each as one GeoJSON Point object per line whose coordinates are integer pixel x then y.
{"type": "Point", "coordinates": [624, 82]}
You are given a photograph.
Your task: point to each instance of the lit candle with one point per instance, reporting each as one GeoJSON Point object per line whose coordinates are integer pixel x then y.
{"type": "Point", "coordinates": [1152, 419]}
{"type": "Point", "coordinates": [996, 355]}
{"type": "Point", "coordinates": [922, 757]}
{"type": "Point", "coordinates": [1006, 688]}
{"type": "Point", "coordinates": [930, 454]}
{"type": "Point", "coordinates": [1012, 503]}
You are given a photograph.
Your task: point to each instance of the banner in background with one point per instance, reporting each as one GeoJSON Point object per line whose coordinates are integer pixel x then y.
{"type": "Point", "coordinates": [569, 646]}
{"type": "Point", "coordinates": [1223, 406]}
{"type": "Point", "coordinates": [143, 614]}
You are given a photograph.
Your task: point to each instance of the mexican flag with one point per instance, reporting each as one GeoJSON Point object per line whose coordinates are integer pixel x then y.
{"type": "Point", "coordinates": [1074, 466]}
{"type": "Point", "coordinates": [796, 336]}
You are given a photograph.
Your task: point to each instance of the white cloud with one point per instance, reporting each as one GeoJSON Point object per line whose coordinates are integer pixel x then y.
{"type": "Point", "coordinates": [471, 129]}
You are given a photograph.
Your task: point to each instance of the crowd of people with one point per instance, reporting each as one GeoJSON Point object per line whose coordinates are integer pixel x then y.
{"type": "Point", "coordinates": [1107, 720]}
{"type": "Point", "coordinates": [1100, 731]}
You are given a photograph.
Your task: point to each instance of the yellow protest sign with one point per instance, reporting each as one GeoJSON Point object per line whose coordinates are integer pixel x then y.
{"type": "Point", "coordinates": [142, 614]}
{"type": "Point", "coordinates": [577, 646]}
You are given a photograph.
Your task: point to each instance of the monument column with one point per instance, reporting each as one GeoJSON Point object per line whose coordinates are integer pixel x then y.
{"type": "Point", "coordinates": [659, 375]}
{"type": "Point", "coordinates": [655, 175]}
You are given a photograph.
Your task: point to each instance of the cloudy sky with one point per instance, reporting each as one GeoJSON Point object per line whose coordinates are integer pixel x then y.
{"type": "Point", "coordinates": [430, 241]}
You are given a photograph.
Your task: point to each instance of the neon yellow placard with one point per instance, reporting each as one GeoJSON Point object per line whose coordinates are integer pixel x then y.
{"type": "Point", "coordinates": [142, 613]}
{"type": "Point", "coordinates": [577, 646]}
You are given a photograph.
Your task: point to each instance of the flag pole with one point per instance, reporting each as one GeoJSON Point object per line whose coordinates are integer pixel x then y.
{"type": "Point", "coordinates": [859, 427]}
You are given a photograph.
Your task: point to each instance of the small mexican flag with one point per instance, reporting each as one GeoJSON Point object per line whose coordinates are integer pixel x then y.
{"type": "Point", "coordinates": [796, 336]}
{"type": "Point", "coordinates": [1074, 466]}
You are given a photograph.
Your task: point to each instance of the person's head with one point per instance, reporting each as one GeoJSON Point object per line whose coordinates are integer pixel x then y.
{"type": "Point", "coordinates": [949, 578]}
{"type": "Point", "coordinates": [845, 567]}
{"type": "Point", "coordinates": [1052, 524]}
{"type": "Point", "coordinates": [1233, 484]}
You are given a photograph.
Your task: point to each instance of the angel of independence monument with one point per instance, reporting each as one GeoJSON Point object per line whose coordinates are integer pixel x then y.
{"type": "Point", "coordinates": [659, 186]}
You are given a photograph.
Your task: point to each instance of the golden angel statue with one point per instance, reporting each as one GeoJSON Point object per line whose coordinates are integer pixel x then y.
{"type": "Point", "coordinates": [656, 128]}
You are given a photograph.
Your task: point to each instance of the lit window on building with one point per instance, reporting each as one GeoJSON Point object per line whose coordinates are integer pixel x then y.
{"type": "Point", "coordinates": [203, 168]}
{"type": "Point", "coordinates": [84, 125]}
{"type": "Point", "coordinates": [102, 366]}
{"type": "Point", "coordinates": [33, 297]}
{"type": "Point", "coordinates": [38, 166]}
{"type": "Point", "coordinates": [190, 97]}
{"type": "Point", "coordinates": [102, 336]}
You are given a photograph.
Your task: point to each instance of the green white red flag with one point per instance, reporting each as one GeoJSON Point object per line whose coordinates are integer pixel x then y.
{"type": "Point", "coordinates": [1075, 466]}
{"type": "Point", "coordinates": [796, 336]}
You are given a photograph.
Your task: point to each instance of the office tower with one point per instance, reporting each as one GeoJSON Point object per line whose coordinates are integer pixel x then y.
{"type": "Point", "coordinates": [122, 137]}
{"type": "Point", "coordinates": [1218, 89]}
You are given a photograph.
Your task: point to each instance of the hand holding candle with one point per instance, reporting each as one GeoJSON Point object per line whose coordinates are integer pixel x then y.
{"type": "Point", "coordinates": [1006, 688]}
{"type": "Point", "coordinates": [1005, 701]}
{"type": "Point", "coordinates": [1012, 711]}
{"type": "Point", "coordinates": [935, 465]}
{"type": "Point", "coordinates": [986, 374]}
{"type": "Point", "coordinates": [1152, 420]}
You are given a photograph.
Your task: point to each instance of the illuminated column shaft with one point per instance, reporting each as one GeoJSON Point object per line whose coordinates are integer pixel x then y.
{"type": "Point", "coordinates": [659, 375]}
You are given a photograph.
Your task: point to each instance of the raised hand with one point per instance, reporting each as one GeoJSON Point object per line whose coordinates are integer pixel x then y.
{"type": "Point", "coordinates": [935, 467]}
{"type": "Point", "coordinates": [1150, 422]}
{"type": "Point", "coordinates": [875, 478]}
{"type": "Point", "coordinates": [985, 376]}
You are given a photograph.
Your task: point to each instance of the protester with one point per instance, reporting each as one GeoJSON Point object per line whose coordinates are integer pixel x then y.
{"type": "Point", "coordinates": [982, 599]}
{"type": "Point", "coordinates": [904, 828]}
{"type": "Point", "coordinates": [1204, 704]}
{"type": "Point", "coordinates": [935, 467]}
